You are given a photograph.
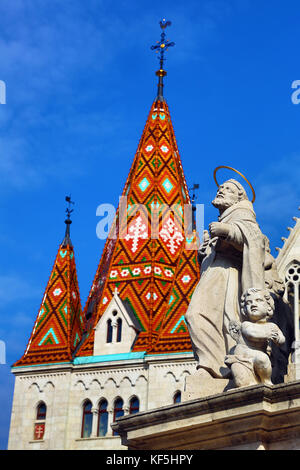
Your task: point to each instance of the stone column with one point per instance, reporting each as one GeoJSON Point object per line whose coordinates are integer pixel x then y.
{"type": "Point", "coordinates": [296, 310]}
{"type": "Point", "coordinates": [110, 421]}
{"type": "Point", "coordinates": [95, 412]}
{"type": "Point", "coordinates": [114, 330]}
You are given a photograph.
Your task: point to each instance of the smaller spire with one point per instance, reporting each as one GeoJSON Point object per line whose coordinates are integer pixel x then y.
{"type": "Point", "coordinates": [68, 221]}
{"type": "Point", "coordinates": [58, 328]}
{"type": "Point", "coordinates": [162, 46]}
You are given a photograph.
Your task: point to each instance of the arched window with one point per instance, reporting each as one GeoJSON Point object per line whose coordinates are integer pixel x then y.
{"type": "Point", "coordinates": [292, 281]}
{"type": "Point", "coordinates": [109, 332]}
{"type": "Point", "coordinates": [40, 421]}
{"type": "Point", "coordinates": [118, 411]}
{"type": "Point", "coordinates": [103, 418]}
{"type": "Point", "coordinates": [177, 397]}
{"type": "Point", "coordinates": [87, 419]}
{"type": "Point", "coordinates": [134, 405]}
{"type": "Point", "coordinates": [119, 330]}
{"type": "Point", "coordinates": [41, 411]}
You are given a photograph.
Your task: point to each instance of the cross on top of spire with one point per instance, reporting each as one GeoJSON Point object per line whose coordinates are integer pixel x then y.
{"type": "Point", "coordinates": [68, 209]}
{"type": "Point", "coordinates": [161, 47]}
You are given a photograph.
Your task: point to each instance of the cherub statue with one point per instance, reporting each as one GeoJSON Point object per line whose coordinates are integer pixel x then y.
{"type": "Point", "coordinates": [250, 362]}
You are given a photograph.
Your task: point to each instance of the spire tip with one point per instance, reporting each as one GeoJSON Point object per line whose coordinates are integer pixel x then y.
{"type": "Point", "coordinates": [68, 221]}
{"type": "Point", "coordinates": [162, 46]}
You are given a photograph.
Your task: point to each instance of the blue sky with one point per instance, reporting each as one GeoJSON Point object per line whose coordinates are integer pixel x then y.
{"type": "Point", "coordinates": [80, 82]}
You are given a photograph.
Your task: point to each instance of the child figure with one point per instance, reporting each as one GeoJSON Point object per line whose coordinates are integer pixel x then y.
{"type": "Point", "coordinates": [250, 363]}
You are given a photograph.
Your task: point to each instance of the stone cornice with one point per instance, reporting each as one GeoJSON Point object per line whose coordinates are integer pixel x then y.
{"type": "Point", "coordinates": [235, 416]}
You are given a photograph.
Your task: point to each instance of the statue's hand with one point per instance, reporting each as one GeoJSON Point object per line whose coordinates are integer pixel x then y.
{"type": "Point", "coordinates": [218, 229]}
{"type": "Point", "coordinates": [205, 237]}
{"type": "Point", "coordinates": [203, 246]}
{"type": "Point", "coordinates": [235, 330]}
{"type": "Point", "coordinates": [274, 335]}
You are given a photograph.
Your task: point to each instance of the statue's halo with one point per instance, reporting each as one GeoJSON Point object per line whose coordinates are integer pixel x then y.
{"type": "Point", "coordinates": [239, 173]}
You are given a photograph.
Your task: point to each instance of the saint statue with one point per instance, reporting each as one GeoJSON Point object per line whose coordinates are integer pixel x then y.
{"type": "Point", "coordinates": [233, 260]}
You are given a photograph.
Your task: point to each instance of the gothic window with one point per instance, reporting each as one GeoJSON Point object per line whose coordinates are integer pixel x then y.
{"type": "Point", "coordinates": [119, 330]}
{"type": "Point", "coordinates": [109, 331]}
{"type": "Point", "coordinates": [118, 411]}
{"type": "Point", "coordinates": [134, 405]}
{"type": "Point", "coordinates": [87, 419]}
{"type": "Point", "coordinates": [41, 411]}
{"type": "Point", "coordinates": [40, 421]}
{"type": "Point", "coordinates": [292, 281]}
{"type": "Point", "coordinates": [177, 397]}
{"type": "Point", "coordinates": [103, 418]}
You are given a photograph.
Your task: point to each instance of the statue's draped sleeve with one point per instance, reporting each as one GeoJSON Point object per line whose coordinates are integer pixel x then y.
{"type": "Point", "coordinates": [246, 234]}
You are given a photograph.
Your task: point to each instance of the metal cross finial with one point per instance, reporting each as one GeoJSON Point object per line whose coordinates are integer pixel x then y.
{"type": "Point", "coordinates": [69, 210]}
{"type": "Point", "coordinates": [68, 221]}
{"type": "Point", "coordinates": [163, 45]}
{"type": "Point", "coordinates": [193, 199]}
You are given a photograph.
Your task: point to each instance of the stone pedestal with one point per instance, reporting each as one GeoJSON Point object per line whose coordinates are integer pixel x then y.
{"type": "Point", "coordinates": [202, 384]}
{"type": "Point", "coordinates": [293, 371]}
{"type": "Point", "coordinates": [258, 417]}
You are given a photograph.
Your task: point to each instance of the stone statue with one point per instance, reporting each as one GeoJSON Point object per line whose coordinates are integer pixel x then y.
{"type": "Point", "coordinates": [250, 362]}
{"type": "Point", "coordinates": [233, 259]}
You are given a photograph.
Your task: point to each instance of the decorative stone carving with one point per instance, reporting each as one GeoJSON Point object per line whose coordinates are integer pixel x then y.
{"type": "Point", "coordinates": [250, 362]}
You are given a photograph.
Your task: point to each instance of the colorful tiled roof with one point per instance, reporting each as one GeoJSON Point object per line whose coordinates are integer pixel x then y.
{"type": "Point", "coordinates": [155, 276]}
{"type": "Point", "coordinates": [59, 325]}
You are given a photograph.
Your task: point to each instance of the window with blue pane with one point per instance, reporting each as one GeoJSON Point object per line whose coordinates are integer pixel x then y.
{"type": "Point", "coordinates": [119, 330]}
{"type": "Point", "coordinates": [103, 418]}
{"type": "Point", "coordinates": [134, 405]}
{"type": "Point", "coordinates": [177, 397]}
{"type": "Point", "coordinates": [41, 411]}
{"type": "Point", "coordinates": [118, 411]}
{"type": "Point", "coordinates": [87, 419]}
{"type": "Point", "coordinates": [109, 331]}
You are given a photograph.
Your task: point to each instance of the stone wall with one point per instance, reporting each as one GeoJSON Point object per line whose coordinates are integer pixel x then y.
{"type": "Point", "coordinates": [154, 380]}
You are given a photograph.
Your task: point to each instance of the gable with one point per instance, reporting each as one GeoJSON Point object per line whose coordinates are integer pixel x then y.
{"type": "Point", "coordinates": [116, 330]}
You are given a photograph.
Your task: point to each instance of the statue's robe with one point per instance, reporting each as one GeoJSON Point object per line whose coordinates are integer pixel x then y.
{"type": "Point", "coordinates": [230, 266]}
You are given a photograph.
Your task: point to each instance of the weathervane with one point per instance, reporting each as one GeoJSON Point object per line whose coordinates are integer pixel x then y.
{"type": "Point", "coordinates": [68, 221]}
{"type": "Point", "coordinates": [162, 46]}
{"type": "Point", "coordinates": [193, 199]}
{"type": "Point", "coordinates": [69, 210]}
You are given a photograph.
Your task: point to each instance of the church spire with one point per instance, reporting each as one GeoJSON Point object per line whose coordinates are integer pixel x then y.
{"type": "Point", "coordinates": [58, 327]}
{"type": "Point", "coordinates": [155, 273]}
{"type": "Point", "coordinates": [161, 47]}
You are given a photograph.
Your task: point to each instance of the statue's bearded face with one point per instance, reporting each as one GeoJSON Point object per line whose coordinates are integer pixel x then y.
{"type": "Point", "coordinates": [227, 195]}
